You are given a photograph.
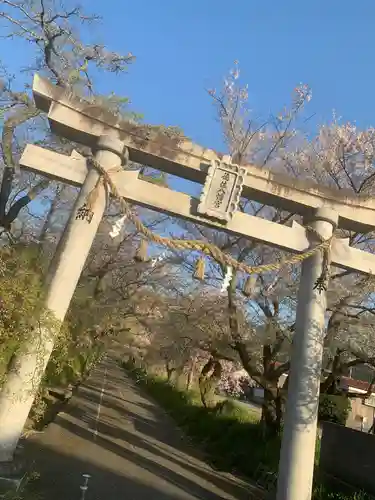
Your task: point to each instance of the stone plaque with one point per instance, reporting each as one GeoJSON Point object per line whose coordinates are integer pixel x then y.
{"type": "Point", "coordinates": [222, 190]}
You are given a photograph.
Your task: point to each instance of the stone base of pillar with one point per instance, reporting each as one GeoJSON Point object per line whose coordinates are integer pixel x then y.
{"type": "Point", "coordinates": [9, 485]}
{"type": "Point", "coordinates": [12, 472]}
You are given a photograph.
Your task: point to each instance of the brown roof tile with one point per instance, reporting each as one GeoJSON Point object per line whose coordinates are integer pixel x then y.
{"type": "Point", "coordinates": [355, 384]}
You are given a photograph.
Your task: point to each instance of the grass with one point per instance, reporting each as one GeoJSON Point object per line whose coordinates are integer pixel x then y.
{"type": "Point", "coordinates": [246, 411]}
{"type": "Point", "coordinates": [232, 437]}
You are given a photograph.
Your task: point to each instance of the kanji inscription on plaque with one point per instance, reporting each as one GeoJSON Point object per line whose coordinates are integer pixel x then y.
{"type": "Point", "coordinates": [222, 190]}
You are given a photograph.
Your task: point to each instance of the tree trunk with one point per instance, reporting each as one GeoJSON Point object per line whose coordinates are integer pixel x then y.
{"type": "Point", "coordinates": [189, 378]}
{"type": "Point", "coordinates": [178, 376]}
{"type": "Point", "coordinates": [132, 361]}
{"type": "Point", "coordinates": [208, 380]}
{"type": "Point", "coordinates": [272, 411]}
{"type": "Point", "coordinates": [169, 371]}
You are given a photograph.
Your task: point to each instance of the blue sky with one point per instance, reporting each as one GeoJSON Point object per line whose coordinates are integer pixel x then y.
{"type": "Point", "coordinates": [184, 47]}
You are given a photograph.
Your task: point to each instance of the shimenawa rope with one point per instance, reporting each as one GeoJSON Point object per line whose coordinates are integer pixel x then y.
{"type": "Point", "coordinates": [86, 213]}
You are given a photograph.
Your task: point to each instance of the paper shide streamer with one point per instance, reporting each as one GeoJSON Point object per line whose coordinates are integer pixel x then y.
{"type": "Point", "coordinates": [117, 227]}
{"type": "Point", "coordinates": [227, 279]}
{"type": "Point", "coordinates": [157, 259]}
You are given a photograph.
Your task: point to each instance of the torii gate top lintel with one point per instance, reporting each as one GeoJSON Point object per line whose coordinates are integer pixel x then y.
{"type": "Point", "coordinates": [83, 122]}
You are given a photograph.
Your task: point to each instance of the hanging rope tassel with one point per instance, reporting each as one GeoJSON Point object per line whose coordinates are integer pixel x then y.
{"type": "Point", "coordinates": [199, 269]}
{"type": "Point", "coordinates": [322, 282]}
{"type": "Point", "coordinates": [249, 285]}
{"type": "Point", "coordinates": [86, 211]}
{"type": "Point", "coordinates": [141, 253]}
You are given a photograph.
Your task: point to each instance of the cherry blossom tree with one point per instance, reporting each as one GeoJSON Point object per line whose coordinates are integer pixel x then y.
{"type": "Point", "coordinates": [261, 310]}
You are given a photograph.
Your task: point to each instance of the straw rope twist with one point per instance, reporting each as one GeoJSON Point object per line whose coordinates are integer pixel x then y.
{"type": "Point", "coordinates": [208, 249]}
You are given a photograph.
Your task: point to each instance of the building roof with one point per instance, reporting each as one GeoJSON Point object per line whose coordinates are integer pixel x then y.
{"type": "Point", "coordinates": [351, 383]}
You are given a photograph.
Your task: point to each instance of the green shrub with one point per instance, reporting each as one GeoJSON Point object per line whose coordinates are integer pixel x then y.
{"type": "Point", "coordinates": [334, 408]}
{"type": "Point", "coordinates": [21, 299]}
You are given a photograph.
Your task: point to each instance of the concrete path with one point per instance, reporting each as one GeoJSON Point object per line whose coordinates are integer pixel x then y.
{"type": "Point", "coordinates": [130, 448]}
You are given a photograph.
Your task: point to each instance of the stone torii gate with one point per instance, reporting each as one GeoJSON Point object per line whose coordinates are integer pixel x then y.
{"type": "Point", "coordinates": [323, 209]}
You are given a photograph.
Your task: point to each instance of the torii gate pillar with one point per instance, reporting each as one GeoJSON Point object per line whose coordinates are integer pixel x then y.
{"type": "Point", "coordinates": [19, 390]}
{"type": "Point", "coordinates": [297, 455]}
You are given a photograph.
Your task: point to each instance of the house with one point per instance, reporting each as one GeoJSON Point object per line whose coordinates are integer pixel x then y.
{"type": "Point", "coordinates": [362, 414]}
{"type": "Point", "coordinates": [357, 381]}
